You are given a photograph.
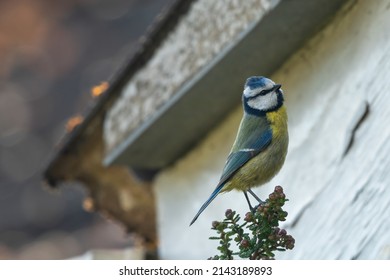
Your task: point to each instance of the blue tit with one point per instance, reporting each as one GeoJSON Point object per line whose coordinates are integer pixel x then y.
{"type": "Point", "coordinates": [260, 148]}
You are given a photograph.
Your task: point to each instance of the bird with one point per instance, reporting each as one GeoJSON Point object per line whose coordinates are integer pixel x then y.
{"type": "Point", "coordinates": [260, 148]}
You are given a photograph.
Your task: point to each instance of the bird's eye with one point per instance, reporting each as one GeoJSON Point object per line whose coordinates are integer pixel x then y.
{"type": "Point", "coordinates": [265, 91]}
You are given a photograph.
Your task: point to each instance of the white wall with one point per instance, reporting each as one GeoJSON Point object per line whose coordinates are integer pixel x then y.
{"type": "Point", "coordinates": [340, 206]}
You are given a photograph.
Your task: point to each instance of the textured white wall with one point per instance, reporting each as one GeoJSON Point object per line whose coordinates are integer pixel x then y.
{"type": "Point", "coordinates": [339, 205]}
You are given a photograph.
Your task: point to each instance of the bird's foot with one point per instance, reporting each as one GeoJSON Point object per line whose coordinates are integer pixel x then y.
{"type": "Point", "coordinates": [253, 210]}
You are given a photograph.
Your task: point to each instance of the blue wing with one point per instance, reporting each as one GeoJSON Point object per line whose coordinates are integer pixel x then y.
{"type": "Point", "coordinates": [246, 149]}
{"type": "Point", "coordinates": [250, 149]}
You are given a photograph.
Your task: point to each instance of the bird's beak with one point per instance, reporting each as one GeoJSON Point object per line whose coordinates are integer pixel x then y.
{"type": "Point", "coordinates": [276, 87]}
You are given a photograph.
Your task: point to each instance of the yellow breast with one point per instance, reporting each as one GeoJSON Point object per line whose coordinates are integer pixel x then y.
{"type": "Point", "coordinates": [278, 121]}
{"type": "Point", "coordinates": [263, 167]}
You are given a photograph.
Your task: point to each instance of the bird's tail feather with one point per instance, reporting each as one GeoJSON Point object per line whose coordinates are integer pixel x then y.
{"type": "Point", "coordinates": [208, 201]}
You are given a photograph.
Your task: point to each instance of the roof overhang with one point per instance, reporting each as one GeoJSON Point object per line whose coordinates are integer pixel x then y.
{"type": "Point", "coordinates": [202, 102]}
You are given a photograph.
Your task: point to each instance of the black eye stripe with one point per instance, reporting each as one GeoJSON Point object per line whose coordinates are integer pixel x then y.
{"type": "Point", "coordinates": [263, 92]}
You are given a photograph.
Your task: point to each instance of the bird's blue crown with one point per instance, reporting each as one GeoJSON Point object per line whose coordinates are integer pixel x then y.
{"type": "Point", "coordinates": [258, 82]}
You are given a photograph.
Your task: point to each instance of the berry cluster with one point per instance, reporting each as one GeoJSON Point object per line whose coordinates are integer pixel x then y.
{"type": "Point", "coordinates": [264, 236]}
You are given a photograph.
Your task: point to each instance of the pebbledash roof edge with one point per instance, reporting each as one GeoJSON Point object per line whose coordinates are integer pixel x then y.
{"type": "Point", "coordinates": [261, 49]}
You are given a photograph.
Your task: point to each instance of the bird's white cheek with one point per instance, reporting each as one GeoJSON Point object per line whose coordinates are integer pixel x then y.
{"type": "Point", "coordinates": [251, 92]}
{"type": "Point", "coordinates": [264, 102]}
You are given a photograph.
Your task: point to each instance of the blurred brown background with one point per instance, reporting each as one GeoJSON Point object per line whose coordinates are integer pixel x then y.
{"type": "Point", "coordinates": [51, 54]}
